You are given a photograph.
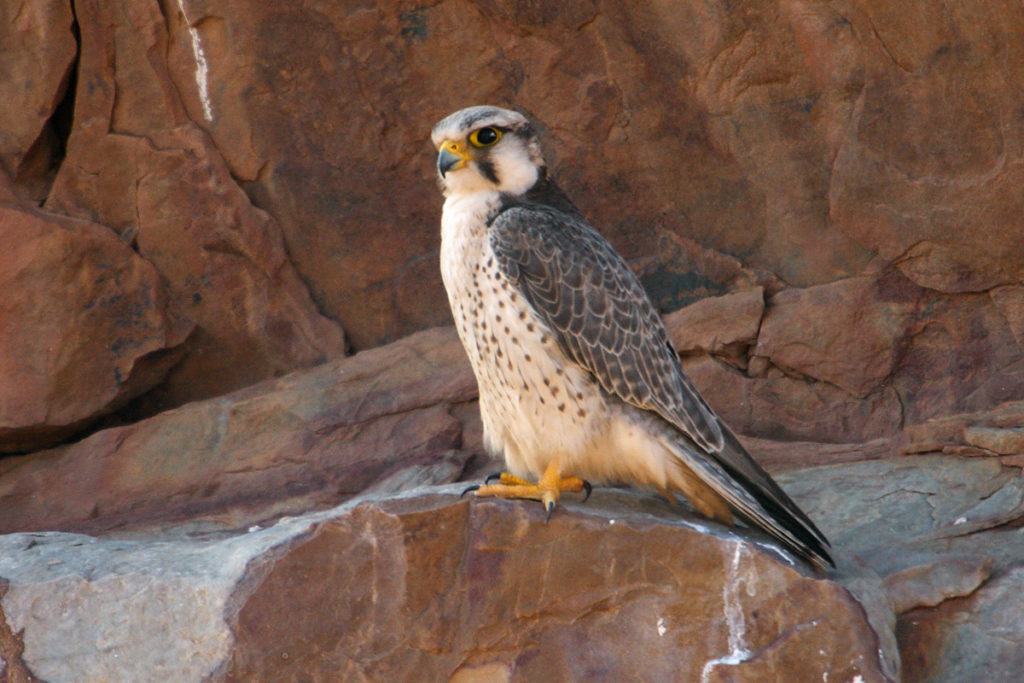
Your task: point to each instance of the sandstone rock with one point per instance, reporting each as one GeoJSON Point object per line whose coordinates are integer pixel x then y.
{"type": "Point", "coordinates": [1010, 302]}
{"type": "Point", "coordinates": [923, 175]}
{"type": "Point", "coordinates": [858, 163]}
{"type": "Point", "coordinates": [228, 268]}
{"type": "Point", "coordinates": [7, 194]}
{"type": "Point", "coordinates": [349, 178]}
{"type": "Point", "coordinates": [680, 272]}
{"type": "Point", "coordinates": [846, 333]}
{"type": "Point", "coordinates": [952, 268]}
{"type": "Point", "coordinates": [752, 106]}
{"type": "Point", "coordinates": [768, 403]}
{"type": "Point", "coordinates": [429, 587]}
{"type": "Point", "coordinates": [950, 430]}
{"type": "Point", "coordinates": [784, 408]}
{"type": "Point", "coordinates": [85, 326]}
{"type": "Point", "coordinates": [999, 431]}
{"type": "Point", "coordinates": [714, 323]}
{"type": "Point", "coordinates": [980, 637]}
{"type": "Point", "coordinates": [885, 506]}
{"type": "Point", "coordinates": [936, 579]}
{"type": "Point", "coordinates": [782, 456]}
{"type": "Point", "coordinates": [996, 440]}
{"type": "Point", "coordinates": [960, 357]}
{"type": "Point", "coordinates": [35, 66]}
{"type": "Point", "coordinates": [879, 332]}
{"type": "Point", "coordinates": [910, 534]}
{"type": "Point", "coordinates": [136, 163]}
{"type": "Point", "coordinates": [310, 439]}
{"type": "Point", "coordinates": [851, 360]}
{"type": "Point", "coordinates": [721, 147]}
{"type": "Point", "coordinates": [935, 528]}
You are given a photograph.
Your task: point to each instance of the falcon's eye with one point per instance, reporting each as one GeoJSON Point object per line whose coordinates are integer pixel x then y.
{"type": "Point", "coordinates": [485, 137]}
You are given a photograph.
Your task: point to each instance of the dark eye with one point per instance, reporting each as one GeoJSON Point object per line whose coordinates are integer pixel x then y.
{"type": "Point", "coordinates": [485, 137]}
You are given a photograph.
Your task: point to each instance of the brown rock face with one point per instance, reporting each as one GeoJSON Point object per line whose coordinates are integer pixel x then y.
{"type": "Point", "coordinates": [845, 333]}
{"type": "Point", "coordinates": [136, 163]}
{"type": "Point", "coordinates": [35, 66]}
{"type": "Point", "coordinates": [778, 406]}
{"type": "Point", "coordinates": [380, 419]}
{"type": "Point", "coordinates": [715, 324]}
{"type": "Point", "coordinates": [858, 162]}
{"type": "Point", "coordinates": [961, 639]}
{"type": "Point", "coordinates": [196, 197]}
{"type": "Point", "coordinates": [488, 591]}
{"type": "Point", "coordinates": [926, 169]}
{"type": "Point", "coordinates": [773, 119]}
{"type": "Point", "coordinates": [85, 326]}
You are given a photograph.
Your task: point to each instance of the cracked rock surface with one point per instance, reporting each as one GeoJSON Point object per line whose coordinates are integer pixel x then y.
{"type": "Point", "coordinates": [846, 172]}
{"type": "Point", "coordinates": [425, 585]}
{"type": "Point", "coordinates": [206, 205]}
{"type": "Point", "coordinates": [188, 546]}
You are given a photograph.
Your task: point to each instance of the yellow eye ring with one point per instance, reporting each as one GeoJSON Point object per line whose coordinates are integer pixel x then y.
{"type": "Point", "coordinates": [485, 137]}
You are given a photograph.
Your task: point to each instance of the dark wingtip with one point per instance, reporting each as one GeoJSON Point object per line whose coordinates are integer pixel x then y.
{"type": "Point", "coordinates": [824, 559]}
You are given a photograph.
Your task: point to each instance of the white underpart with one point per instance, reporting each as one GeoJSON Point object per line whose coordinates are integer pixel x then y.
{"type": "Point", "coordinates": [545, 408]}
{"type": "Point", "coordinates": [538, 407]}
{"type": "Point", "coordinates": [734, 620]}
{"type": "Point", "coordinates": [529, 433]}
{"type": "Point", "coordinates": [202, 69]}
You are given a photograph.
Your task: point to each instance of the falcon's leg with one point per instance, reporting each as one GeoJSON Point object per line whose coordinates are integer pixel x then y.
{"type": "Point", "coordinates": [547, 490]}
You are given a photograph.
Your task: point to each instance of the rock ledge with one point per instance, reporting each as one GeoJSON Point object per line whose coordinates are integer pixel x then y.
{"type": "Point", "coordinates": [424, 585]}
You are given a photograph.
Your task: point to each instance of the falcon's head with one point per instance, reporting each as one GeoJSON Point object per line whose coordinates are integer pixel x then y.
{"type": "Point", "coordinates": [487, 149]}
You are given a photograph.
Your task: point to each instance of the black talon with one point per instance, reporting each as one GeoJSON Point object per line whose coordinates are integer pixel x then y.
{"type": "Point", "coordinates": [588, 488]}
{"type": "Point", "coordinates": [495, 475]}
{"type": "Point", "coordinates": [474, 487]}
{"type": "Point", "coordinates": [550, 506]}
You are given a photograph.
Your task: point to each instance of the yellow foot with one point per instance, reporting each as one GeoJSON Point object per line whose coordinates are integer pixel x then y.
{"type": "Point", "coordinates": [547, 490]}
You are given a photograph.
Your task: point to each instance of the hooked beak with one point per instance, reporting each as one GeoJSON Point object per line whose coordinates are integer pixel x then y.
{"type": "Point", "coordinates": [452, 156]}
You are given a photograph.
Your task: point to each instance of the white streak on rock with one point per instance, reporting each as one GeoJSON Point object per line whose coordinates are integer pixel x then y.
{"type": "Point", "coordinates": [202, 68]}
{"type": "Point", "coordinates": [737, 625]}
{"type": "Point", "coordinates": [661, 626]}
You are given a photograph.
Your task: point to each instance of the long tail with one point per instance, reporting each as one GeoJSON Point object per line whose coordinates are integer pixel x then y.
{"type": "Point", "coordinates": [755, 497]}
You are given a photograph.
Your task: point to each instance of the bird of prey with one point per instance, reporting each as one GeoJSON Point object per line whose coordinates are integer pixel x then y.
{"type": "Point", "coordinates": [578, 378]}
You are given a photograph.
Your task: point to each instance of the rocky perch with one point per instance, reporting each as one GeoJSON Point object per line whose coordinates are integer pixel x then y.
{"type": "Point", "coordinates": [427, 586]}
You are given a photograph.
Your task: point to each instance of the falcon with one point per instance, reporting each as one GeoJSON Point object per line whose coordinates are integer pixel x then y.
{"type": "Point", "coordinates": [579, 381]}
